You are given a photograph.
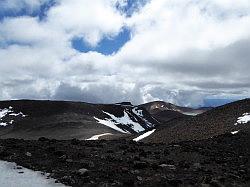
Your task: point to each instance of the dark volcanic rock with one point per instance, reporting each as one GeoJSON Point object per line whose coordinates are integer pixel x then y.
{"type": "Point", "coordinates": [140, 165]}
{"type": "Point", "coordinates": [218, 161]}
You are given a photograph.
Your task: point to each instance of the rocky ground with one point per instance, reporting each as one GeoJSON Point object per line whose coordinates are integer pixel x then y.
{"type": "Point", "coordinates": [218, 161]}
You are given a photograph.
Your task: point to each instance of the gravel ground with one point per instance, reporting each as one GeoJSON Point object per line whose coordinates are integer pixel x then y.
{"type": "Point", "coordinates": [218, 161]}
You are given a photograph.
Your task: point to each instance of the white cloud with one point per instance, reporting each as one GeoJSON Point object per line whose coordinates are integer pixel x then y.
{"type": "Point", "coordinates": [180, 51]}
{"type": "Point", "coordinates": [163, 29]}
{"type": "Point", "coordinates": [91, 20]}
{"type": "Point", "coordinates": [24, 30]}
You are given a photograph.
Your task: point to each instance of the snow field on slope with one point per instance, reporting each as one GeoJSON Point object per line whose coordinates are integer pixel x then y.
{"type": "Point", "coordinates": [8, 111]}
{"type": "Point", "coordinates": [245, 118]}
{"type": "Point", "coordinates": [124, 120]}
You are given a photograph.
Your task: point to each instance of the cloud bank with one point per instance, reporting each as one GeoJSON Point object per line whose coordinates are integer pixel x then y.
{"type": "Point", "coordinates": [180, 51]}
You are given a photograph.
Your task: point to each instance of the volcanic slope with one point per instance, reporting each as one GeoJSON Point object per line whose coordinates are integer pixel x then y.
{"type": "Point", "coordinates": [29, 119]}
{"type": "Point", "coordinates": [230, 118]}
{"type": "Point", "coordinates": [163, 111]}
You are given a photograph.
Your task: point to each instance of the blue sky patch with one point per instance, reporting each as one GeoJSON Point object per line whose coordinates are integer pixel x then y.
{"type": "Point", "coordinates": [5, 45]}
{"type": "Point", "coordinates": [131, 7]}
{"type": "Point", "coordinates": [25, 11]}
{"type": "Point", "coordinates": [107, 46]}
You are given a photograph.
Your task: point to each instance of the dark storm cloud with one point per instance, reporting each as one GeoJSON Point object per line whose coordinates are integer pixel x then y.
{"type": "Point", "coordinates": [231, 61]}
{"type": "Point", "coordinates": [74, 93]}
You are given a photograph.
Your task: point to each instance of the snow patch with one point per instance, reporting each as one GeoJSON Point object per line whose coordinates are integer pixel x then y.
{"type": "Point", "coordinates": [4, 112]}
{"type": "Point", "coordinates": [3, 124]}
{"type": "Point", "coordinates": [137, 112]}
{"type": "Point", "coordinates": [146, 134]}
{"type": "Point", "coordinates": [128, 119]}
{"type": "Point", "coordinates": [110, 123]}
{"type": "Point", "coordinates": [96, 137]}
{"type": "Point", "coordinates": [8, 111]}
{"type": "Point", "coordinates": [234, 132]}
{"type": "Point", "coordinates": [10, 176]}
{"type": "Point", "coordinates": [125, 120]}
{"type": "Point", "coordinates": [245, 118]}
{"type": "Point", "coordinates": [18, 114]}
{"type": "Point", "coordinates": [191, 113]}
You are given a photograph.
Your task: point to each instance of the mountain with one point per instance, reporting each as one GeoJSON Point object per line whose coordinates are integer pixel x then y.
{"type": "Point", "coordinates": [151, 122]}
{"type": "Point", "coordinates": [207, 149]}
{"type": "Point", "coordinates": [164, 111]}
{"type": "Point", "coordinates": [66, 120]}
{"type": "Point", "coordinates": [155, 106]}
{"type": "Point", "coordinates": [228, 118]}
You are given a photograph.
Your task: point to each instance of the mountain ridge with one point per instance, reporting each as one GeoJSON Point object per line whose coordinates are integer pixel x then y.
{"type": "Point", "coordinates": [71, 119]}
{"type": "Point", "coordinates": [31, 119]}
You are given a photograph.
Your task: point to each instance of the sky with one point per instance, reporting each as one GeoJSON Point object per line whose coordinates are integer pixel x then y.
{"type": "Point", "coordinates": [187, 52]}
